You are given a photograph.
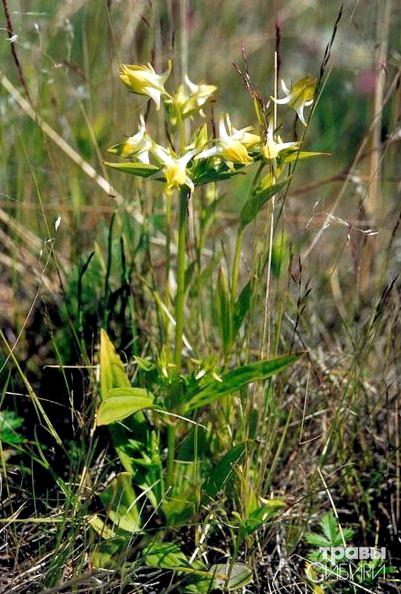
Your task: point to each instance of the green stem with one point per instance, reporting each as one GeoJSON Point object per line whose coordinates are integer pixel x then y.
{"type": "Point", "coordinates": [236, 263]}
{"type": "Point", "coordinates": [179, 321]}
{"type": "Point", "coordinates": [170, 455]}
{"type": "Point", "coordinates": [238, 244]}
{"type": "Point", "coordinates": [168, 249]}
{"type": "Point", "coordinates": [179, 299]}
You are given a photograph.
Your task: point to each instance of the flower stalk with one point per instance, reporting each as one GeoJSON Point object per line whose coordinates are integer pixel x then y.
{"type": "Point", "coordinates": [180, 296]}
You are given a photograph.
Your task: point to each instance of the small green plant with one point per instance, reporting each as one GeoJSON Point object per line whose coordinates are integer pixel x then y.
{"type": "Point", "coordinates": [177, 460]}
{"type": "Point", "coordinates": [10, 424]}
{"type": "Point", "coordinates": [327, 570]}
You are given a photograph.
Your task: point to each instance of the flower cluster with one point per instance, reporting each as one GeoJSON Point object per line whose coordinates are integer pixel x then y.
{"type": "Point", "coordinates": [206, 158]}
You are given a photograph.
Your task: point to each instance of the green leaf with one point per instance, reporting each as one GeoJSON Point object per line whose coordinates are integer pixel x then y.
{"type": "Point", "coordinates": [252, 207]}
{"type": "Point", "coordinates": [169, 556]}
{"type": "Point", "coordinates": [119, 500]}
{"type": "Point", "coordinates": [279, 256]}
{"type": "Point", "coordinates": [198, 585]}
{"type": "Point", "coordinates": [242, 307]}
{"type": "Point", "coordinates": [110, 553]}
{"type": "Point", "coordinates": [216, 176]}
{"type": "Point", "coordinates": [329, 527]}
{"type": "Point", "coordinates": [134, 442]}
{"type": "Point", "coordinates": [348, 533]}
{"type": "Point", "coordinates": [112, 372]}
{"type": "Point", "coordinates": [9, 423]}
{"type": "Point", "coordinates": [224, 314]}
{"type": "Point", "coordinates": [121, 403]}
{"type": "Point", "coordinates": [261, 516]}
{"type": "Point", "coordinates": [165, 556]}
{"type": "Point", "coordinates": [231, 576]}
{"type": "Point", "coordinates": [220, 576]}
{"type": "Point", "coordinates": [145, 364]}
{"type": "Point", "coordinates": [238, 378]}
{"type": "Point", "coordinates": [101, 528]}
{"type": "Point", "coordinates": [181, 508]}
{"type": "Point", "coordinates": [138, 169]}
{"type": "Point", "coordinates": [299, 155]}
{"type": "Point", "coordinates": [317, 539]}
{"type": "Point", "coordinates": [223, 470]}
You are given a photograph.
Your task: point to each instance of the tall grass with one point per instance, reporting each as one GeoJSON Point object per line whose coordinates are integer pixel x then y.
{"type": "Point", "coordinates": [85, 247]}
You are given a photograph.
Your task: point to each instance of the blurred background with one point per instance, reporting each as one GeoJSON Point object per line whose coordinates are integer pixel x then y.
{"type": "Point", "coordinates": [69, 53]}
{"type": "Point", "coordinates": [62, 105]}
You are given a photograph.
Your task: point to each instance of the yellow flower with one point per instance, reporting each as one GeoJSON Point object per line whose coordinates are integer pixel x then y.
{"type": "Point", "coordinates": [188, 100]}
{"type": "Point", "coordinates": [137, 145]}
{"type": "Point", "coordinates": [271, 149]}
{"type": "Point", "coordinates": [301, 95]}
{"type": "Point", "coordinates": [197, 97]}
{"type": "Point", "coordinates": [232, 144]}
{"type": "Point", "coordinates": [143, 80]}
{"type": "Point", "coordinates": [174, 168]}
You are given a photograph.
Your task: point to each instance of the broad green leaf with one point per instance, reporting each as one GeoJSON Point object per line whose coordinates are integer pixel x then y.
{"type": "Point", "coordinates": [255, 203]}
{"type": "Point", "coordinates": [198, 585]}
{"type": "Point", "coordinates": [134, 442]}
{"type": "Point", "coordinates": [231, 576]}
{"type": "Point", "coordinates": [119, 500]}
{"type": "Point", "coordinates": [233, 381]}
{"type": "Point", "coordinates": [121, 403]}
{"type": "Point", "coordinates": [112, 372]}
{"type": "Point", "coordinates": [165, 556]}
{"type": "Point", "coordinates": [110, 553]}
{"type": "Point", "coordinates": [221, 576]}
{"type": "Point", "coordinates": [138, 169]}
{"type": "Point", "coordinates": [224, 469]}
{"type": "Point", "coordinates": [101, 528]}
{"type": "Point", "coordinates": [169, 556]}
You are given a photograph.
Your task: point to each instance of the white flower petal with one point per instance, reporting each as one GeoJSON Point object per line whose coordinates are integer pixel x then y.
{"type": "Point", "coordinates": [300, 112]}
{"type": "Point", "coordinates": [285, 88]}
{"type": "Point", "coordinates": [208, 153]}
{"type": "Point", "coordinates": [155, 95]}
{"type": "Point", "coordinates": [282, 101]}
{"type": "Point", "coordinates": [191, 86]}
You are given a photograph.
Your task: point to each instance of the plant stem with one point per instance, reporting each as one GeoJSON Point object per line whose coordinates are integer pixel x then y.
{"type": "Point", "coordinates": [236, 263]}
{"type": "Point", "coordinates": [238, 243]}
{"type": "Point", "coordinates": [168, 250]}
{"type": "Point", "coordinates": [179, 321]}
{"type": "Point", "coordinates": [170, 455]}
{"type": "Point", "coordinates": [179, 299]}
